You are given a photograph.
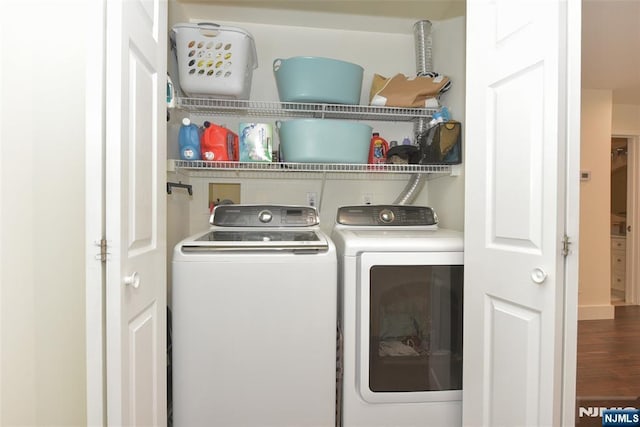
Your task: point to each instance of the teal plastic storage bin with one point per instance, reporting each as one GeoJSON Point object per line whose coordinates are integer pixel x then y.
{"type": "Point", "coordinates": [315, 79]}
{"type": "Point", "coordinates": [324, 141]}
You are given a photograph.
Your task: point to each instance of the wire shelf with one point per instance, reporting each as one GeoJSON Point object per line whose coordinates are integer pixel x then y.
{"type": "Point", "coordinates": [306, 110]}
{"type": "Point", "coordinates": [192, 167]}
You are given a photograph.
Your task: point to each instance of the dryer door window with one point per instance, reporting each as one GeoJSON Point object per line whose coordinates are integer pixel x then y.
{"type": "Point", "coordinates": [415, 328]}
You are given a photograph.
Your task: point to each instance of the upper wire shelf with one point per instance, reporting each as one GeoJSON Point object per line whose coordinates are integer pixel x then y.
{"type": "Point", "coordinates": [307, 110]}
{"type": "Point", "coordinates": [199, 166]}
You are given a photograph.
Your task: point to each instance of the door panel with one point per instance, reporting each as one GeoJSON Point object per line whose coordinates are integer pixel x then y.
{"type": "Point", "coordinates": [517, 204]}
{"type": "Point", "coordinates": [135, 212]}
{"type": "Point", "coordinates": [516, 97]}
{"type": "Point", "coordinates": [142, 194]}
{"type": "Point", "coordinates": [143, 330]}
{"type": "Point", "coordinates": [513, 326]}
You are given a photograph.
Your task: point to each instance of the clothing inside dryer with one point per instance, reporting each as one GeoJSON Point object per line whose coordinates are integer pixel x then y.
{"type": "Point", "coordinates": [415, 328]}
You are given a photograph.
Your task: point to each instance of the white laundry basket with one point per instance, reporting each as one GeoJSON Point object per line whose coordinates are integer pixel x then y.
{"type": "Point", "coordinates": [214, 61]}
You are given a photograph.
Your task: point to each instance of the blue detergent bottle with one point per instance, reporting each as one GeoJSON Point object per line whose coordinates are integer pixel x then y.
{"type": "Point", "coordinates": [189, 141]}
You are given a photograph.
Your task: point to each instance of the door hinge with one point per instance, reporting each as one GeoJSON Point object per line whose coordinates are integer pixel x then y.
{"type": "Point", "coordinates": [104, 254]}
{"type": "Point", "coordinates": [566, 242]}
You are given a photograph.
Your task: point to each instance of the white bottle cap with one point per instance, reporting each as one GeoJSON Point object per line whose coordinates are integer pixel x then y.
{"type": "Point", "coordinates": [186, 121]}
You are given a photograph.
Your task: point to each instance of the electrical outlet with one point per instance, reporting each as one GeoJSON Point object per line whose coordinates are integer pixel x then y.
{"type": "Point", "coordinates": [312, 198]}
{"type": "Point", "coordinates": [367, 198]}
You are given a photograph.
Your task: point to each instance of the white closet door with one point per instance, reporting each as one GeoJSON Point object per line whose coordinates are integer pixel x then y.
{"type": "Point", "coordinates": [136, 46]}
{"type": "Point", "coordinates": [516, 140]}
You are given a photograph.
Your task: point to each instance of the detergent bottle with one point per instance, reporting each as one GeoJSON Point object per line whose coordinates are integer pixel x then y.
{"type": "Point", "coordinates": [218, 144]}
{"type": "Point", "coordinates": [189, 140]}
{"type": "Point", "coordinates": [378, 149]}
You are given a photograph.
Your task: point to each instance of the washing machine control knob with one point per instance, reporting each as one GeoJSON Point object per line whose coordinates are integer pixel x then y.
{"type": "Point", "coordinates": [387, 216]}
{"type": "Point", "coordinates": [265, 216]}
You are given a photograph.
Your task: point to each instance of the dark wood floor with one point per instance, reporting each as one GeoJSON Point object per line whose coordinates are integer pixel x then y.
{"type": "Point", "coordinates": [608, 371]}
{"type": "Point", "coordinates": [609, 355]}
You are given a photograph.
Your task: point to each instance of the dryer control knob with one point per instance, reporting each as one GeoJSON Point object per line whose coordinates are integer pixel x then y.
{"type": "Point", "coordinates": [387, 216]}
{"type": "Point", "coordinates": [265, 216]}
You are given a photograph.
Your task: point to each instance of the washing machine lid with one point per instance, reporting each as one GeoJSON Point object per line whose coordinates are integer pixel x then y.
{"type": "Point", "coordinates": [223, 239]}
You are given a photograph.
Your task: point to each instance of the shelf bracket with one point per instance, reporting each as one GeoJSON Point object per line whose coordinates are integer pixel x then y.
{"type": "Point", "coordinates": [179, 184]}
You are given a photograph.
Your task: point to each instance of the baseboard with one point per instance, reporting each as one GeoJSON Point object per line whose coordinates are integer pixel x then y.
{"type": "Point", "coordinates": [596, 312]}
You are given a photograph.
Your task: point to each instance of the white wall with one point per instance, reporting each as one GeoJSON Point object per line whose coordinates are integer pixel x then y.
{"type": "Point", "coordinates": [42, 369]}
{"type": "Point", "coordinates": [594, 294]}
{"type": "Point", "coordinates": [600, 120]}
{"type": "Point", "coordinates": [377, 50]}
{"type": "Point", "coordinates": [626, 119]}
{"type": "Point", "coordinates": [446, 194]}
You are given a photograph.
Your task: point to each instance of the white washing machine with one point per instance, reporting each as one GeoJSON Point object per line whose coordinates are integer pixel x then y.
{"type": "Point", "coordinates": [400, 317]}
{"type": "Point", "coordinates": [254, 321]}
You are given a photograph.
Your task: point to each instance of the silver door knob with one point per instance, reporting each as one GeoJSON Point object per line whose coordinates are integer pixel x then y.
{"type": "Point", "coordinates": [133, 280]}
{"type": "Point", "coordinates": [538, 275]}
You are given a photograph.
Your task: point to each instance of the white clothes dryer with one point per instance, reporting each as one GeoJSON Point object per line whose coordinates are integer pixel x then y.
{"type": "Point", "coordinates": [400, 317]}
{"type": "Point", "coordinates": [254, 321]}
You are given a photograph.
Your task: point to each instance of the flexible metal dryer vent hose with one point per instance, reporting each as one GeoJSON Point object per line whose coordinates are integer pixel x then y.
{"type": "Point", "coordinates": [424, 64]}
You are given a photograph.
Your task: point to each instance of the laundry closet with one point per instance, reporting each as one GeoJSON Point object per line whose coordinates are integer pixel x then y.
{"type": "Point", "coordinates": [517, 108]}
{"type": "Point", "coordinates": [383, 45]}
